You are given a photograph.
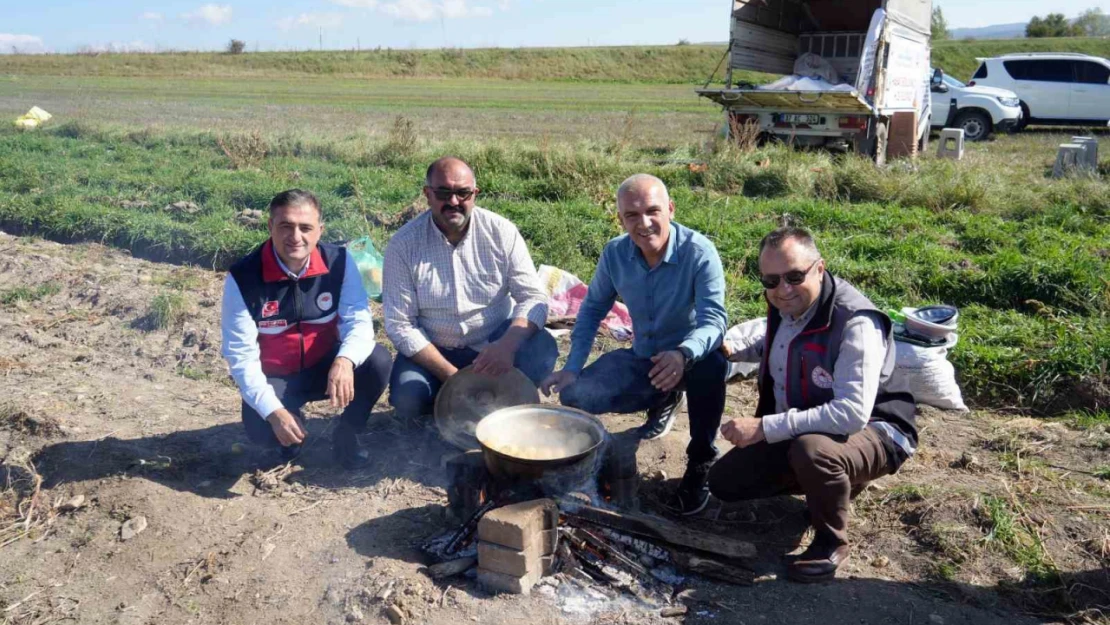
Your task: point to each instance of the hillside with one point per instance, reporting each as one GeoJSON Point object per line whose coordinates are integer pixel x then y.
{"type": "Point", "coordinates": [689, 64]}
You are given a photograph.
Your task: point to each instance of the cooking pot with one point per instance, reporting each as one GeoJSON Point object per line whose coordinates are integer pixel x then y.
{"type": "Point", "coordinates": [533, 440]}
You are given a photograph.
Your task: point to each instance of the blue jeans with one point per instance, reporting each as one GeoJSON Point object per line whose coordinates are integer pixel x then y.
{"type": "Point", "coordinates": [413, 389]}
{"type": "Point", "coordinates": [618, 382]}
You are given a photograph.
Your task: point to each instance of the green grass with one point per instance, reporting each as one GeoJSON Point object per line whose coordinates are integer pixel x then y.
{"type": "Point", "coordinates": [957, 57]}
{"type": "Point", "coordinates": [688, 64]}
{"type": "Point", "coordinates": [28, 294]}
{"type": "Point", "coordinates": [168, 310]}
{"type": "Point", "coordinates": [1008, 533]}
{"type": "Point", "coordinates": [1023, 255]}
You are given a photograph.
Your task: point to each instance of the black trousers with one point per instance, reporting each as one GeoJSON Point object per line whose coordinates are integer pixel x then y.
{"type": "Point", "coordinates": [311, 384]}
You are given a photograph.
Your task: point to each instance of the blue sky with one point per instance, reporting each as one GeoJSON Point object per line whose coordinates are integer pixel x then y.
{"type": "Point", "coordinates": [69, 25]}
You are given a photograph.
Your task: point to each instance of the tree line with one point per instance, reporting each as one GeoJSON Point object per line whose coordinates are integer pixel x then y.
{"type": "Point", "coordinates": [1090, 23]}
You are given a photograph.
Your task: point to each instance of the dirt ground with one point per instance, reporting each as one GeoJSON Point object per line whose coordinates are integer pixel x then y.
{"type": "Point", "coordinates": [143, 422]}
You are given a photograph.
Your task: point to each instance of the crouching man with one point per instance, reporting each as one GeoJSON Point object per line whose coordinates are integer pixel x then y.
{"type": "Point", "coordinates": [671, 279]}
{"type": "Point", "coordinates": [824, 426]}
{"type": "Point", "coordinates": [296, 328]}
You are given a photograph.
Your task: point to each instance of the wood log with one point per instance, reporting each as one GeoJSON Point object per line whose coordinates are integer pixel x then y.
{"type": "Point", "coordinates": [713, 569]}
{"type": "Point", "coordinates": [662, 530]}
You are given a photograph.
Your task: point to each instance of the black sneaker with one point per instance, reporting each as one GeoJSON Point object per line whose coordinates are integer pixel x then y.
{"type": "Point", "coordinates": [661, 417]}
{"type": "Point", "coordinates": [692, 495]}
{"type": "Point", "coordinates": [290, 453]}
{"type": "Point", "coordinates": [348, 452]}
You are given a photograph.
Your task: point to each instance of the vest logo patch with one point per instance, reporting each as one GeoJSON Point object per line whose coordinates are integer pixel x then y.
{"type": "Point", "coordinates": [822, 378]}
{"type": "Point", "coordinates": [273, 323]}
{"type": "Point", "coordinates": [324, 301]}
{"type": "Point", "coordinates": [269, 309]}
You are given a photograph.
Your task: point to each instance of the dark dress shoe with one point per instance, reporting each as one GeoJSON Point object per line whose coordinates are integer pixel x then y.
{"type": "Point", "coordinates": [818, 563]}
{"type": "Point", "coordinates": [348, 452]}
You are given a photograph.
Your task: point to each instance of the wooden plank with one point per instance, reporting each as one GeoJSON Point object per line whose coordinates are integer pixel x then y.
{"type": "Point", "coordinates": [661, 530]}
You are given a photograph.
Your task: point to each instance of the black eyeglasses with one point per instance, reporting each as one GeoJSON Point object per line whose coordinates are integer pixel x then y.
{"type": "Point", "coordinates": [444, 195]}
{"type": "Point", "coordinates": [793, 278]}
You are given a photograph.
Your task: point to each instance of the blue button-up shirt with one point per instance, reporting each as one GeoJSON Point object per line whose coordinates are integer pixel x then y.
{"type": "Point", "coordinates": [679, 302]}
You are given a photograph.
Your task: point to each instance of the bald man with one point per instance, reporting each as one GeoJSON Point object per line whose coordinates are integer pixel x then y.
{"type": "Point", "coordinates": [670, 278]}
{"type": "Point", "coordinates": [460, 288]}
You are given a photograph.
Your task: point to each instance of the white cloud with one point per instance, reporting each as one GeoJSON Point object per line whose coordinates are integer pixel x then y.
{"type": "Point", "coordinates": [426, 10]}
{"type": "Point", "coordinates": [23, 44]}
{"type": "Point", "coordinates": [311, 20]}
{"type": "Point", "coordinates": [358, 4]}
{"type": "Point", "coordinates": [211, 14]}
{"type": "Point", "coordinates": [152, 16]}
{"type": "Point", "coordinates": [504, 5]}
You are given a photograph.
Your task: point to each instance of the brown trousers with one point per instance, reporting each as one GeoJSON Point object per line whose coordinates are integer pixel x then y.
{"type": "Point", "coordinates": [827, 469]}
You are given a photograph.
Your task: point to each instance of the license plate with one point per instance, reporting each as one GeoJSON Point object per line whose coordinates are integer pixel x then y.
{"type": "Point", "coordinates": [797, 118]}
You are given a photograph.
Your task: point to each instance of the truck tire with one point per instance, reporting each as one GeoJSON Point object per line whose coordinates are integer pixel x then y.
{"type": "Point", "coordinates": [975, 124]}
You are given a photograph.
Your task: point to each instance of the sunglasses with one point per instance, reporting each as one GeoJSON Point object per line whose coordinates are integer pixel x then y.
{"type": "Point", "coordinates": [793, 278]}
{"type": "Point", "coordinates": [444, 195]}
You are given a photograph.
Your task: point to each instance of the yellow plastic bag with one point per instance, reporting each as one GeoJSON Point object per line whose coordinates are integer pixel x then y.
{"type": "Point", "coordinates": [32, 119]}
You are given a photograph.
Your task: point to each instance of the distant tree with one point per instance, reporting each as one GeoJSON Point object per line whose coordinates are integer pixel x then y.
{"type": "Point", "coordinates": [940, 25]}
{"type": "Point", "coordinates": [1093, 23]}
{"type": "Point", "coordinates": [683, 42]}
{"type": "Point", "coordinates": [236, 46]}
{"type": "Point", "coordinates": [1052, 25]}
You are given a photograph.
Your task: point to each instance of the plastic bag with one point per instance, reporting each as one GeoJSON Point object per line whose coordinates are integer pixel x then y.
{"type": "Point", "coordinates": [32, 118]}
{"type": "Point", "coordinates": [738, 338]}
{"type": "Point", "coordinates": [565, 294]}
{"type": "Point", "coordinates": [925, 373]}
{"type": "Point", "coordinates": [369, 262]}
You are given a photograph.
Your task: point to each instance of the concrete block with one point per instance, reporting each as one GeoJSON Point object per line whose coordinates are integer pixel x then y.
{"type": "Point", "coordinates": [499, 582]}
{"type": "Point", "coordinates": [1090, 151]}
{"type": "Point", "coordinates": [514, 526]}
{"type": "Point", "coordinates": [1071, 157]}
{"type": "Point", "coordinates": [951, 144]}
{"type": "Point", "coordinates": [549, 540]}
{"type": "Point", "coordinates": [547, 565]}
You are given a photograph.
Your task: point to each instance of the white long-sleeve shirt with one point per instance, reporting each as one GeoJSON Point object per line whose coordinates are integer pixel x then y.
{"type": "Point", "coordinates": [240, 335]}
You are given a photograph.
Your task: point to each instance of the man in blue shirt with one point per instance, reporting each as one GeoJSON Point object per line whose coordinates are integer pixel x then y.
{"type": "Point", "coordinates": [671, 279]}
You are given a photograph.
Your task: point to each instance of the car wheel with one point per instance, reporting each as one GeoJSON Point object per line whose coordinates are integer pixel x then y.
{"type": "Point", "coordinates": [1024, 118]}
{"type": "Point", "coordinates": [976, 125]}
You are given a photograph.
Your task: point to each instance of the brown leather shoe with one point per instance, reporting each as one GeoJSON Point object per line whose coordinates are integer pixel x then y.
{"type": "Point", "coordinates": [818, 563]}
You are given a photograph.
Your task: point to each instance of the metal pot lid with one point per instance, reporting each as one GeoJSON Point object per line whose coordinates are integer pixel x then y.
{"type": "Point", "coordinates": [467, 397]}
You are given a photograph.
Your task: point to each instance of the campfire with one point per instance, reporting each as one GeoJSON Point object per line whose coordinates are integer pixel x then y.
{"type": "Point", "coordinates": [577, 523]}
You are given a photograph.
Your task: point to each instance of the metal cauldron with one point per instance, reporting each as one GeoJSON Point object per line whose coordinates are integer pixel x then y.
{"type": "Point", "coordinates": [537, 440]}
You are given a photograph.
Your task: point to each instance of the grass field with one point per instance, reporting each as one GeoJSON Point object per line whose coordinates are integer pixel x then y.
{"type": "Point", "coordinates": [1025, 256]}
{"type": "Point", "coordinates": [689, 64]}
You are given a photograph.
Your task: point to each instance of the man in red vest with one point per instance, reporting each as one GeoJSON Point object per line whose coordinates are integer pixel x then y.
{"type": "Point", "coordinates": [297, 328]}
{"type": "Point", "coordinates": [824, 426]}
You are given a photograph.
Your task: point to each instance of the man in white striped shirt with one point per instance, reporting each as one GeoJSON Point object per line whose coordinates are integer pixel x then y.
{"type": "Point", "coordinates": [459, 288]}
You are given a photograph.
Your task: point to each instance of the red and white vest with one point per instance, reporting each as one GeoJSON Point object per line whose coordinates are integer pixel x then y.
{"type": "Point", "coordinates": [297, 319]}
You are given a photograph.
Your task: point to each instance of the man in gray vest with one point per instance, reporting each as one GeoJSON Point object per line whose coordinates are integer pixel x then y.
{"type": "Point", "coordinates": [824, 426]}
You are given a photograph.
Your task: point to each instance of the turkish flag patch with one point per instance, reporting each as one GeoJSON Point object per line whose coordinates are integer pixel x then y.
{"type": "Point", "coordinates": [269, 309]}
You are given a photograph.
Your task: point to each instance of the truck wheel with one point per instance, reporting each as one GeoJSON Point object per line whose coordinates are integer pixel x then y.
{"type": "Point", "coordinates": [976, 125]}
{"type": "Point", "coordinates": [882, 132]}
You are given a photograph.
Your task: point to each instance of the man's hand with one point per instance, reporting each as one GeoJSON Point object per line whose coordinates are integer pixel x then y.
{"type": "Point", "coordinates": [743, 432]}
{"type": "Point", "coordinates": [556, 382]}
{"type": "Point", "coordinates": [341, 383]}
{"type": "Point", "coordinates": [496, 359]}
{"type": "Point", "coordinates": [668, 370]}
{"type": "Point", "coordinates": [286, 428]}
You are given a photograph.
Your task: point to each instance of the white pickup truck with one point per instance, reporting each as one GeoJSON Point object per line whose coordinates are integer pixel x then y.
{"type": "Point", "coordinates": [879, 53]}
{"type": "Point", "coordinates": [977, 110]}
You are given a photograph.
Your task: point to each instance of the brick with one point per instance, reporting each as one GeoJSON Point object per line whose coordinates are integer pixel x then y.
{"type": "Point", "coordinates": [499, 582]}
{"type": "Point", "coordinates": [498, 559]}
{"type": "Point", "coordinates": [514, 525]}
{"type": "Point", "coordinates": [547, 565]}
